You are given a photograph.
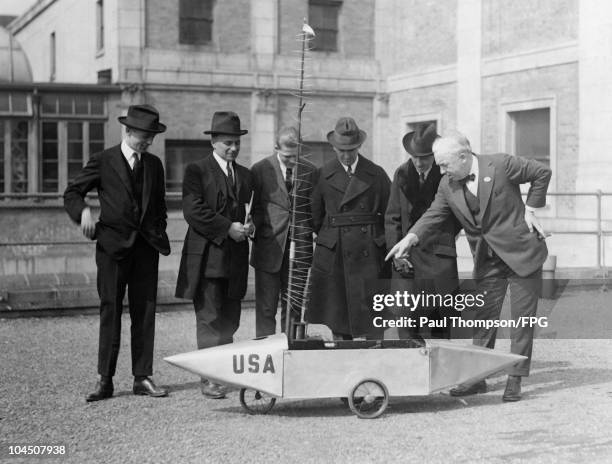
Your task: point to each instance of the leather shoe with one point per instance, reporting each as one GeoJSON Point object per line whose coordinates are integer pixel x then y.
{"type": "Point", "coordinates": [213, 390]}
{"type": "Point", "coordinates": [513, 389]}
{"type": "Point", "coordinates": [148, 388]}
{"type": "Point", "coordinates": [465, 390]}
{"type": "Point", "coordinates": [103, 391]}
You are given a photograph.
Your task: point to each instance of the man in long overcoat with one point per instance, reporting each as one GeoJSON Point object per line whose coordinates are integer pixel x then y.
{"type": "Point", "coordinates": [277, 179]}
{"type": "Point", "coordinates": [348, 207]}
{"type": "Point", "coordinates": [434, 262]}
{"type": "Point", "coordinates": [214, 263]}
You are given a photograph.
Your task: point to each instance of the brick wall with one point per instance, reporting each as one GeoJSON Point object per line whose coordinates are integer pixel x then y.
{"type": "Point", "coordinates": [510, 26]}
{"type": "Point", "coordinates": [416, 34]}
{"type": "Point", "coordinates": [231, 26]}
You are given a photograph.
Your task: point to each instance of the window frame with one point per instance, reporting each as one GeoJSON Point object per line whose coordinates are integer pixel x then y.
{"type": "Point", "coordinates": [507, 130]}
{"type": "Point", "coordinates": [337, 6]}
{"type": "Point", "coordinates": [186, 16]}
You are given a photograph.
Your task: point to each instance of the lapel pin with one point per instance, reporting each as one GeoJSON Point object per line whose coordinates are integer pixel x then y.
{"type": "Point", "coordinates": [487, 179]}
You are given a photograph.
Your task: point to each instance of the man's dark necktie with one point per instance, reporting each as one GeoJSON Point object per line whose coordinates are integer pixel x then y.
{"type": "Point", "coordinates": [349, 171]}
{"type": "Point", "coordinates": [421, 179]}
{"type": "Point", "coordinates": [137, 166]}
{"type": "Point", "coordinates": [230, 175]}
{"type": "Point", "coordinates": [289, 179]}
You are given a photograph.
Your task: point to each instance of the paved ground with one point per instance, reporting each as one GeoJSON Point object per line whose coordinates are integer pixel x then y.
{"type": "Point", "coordinates": [48, 366]}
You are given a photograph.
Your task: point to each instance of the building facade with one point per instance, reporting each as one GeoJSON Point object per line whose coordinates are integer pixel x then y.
{"type": "Point", "coordinates": [531, 78]}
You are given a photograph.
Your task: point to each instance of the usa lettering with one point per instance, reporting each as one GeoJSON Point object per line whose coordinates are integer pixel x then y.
{"type": "Point", "coordinates": [253, 364]}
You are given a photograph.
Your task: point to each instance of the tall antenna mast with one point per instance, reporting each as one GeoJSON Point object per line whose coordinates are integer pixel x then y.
{"type": "Point", "coordinates": [306, 35]}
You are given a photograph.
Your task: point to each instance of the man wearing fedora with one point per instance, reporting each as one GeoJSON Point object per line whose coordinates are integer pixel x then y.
{"type": "Point", "coordinates": [432, 266]}
{"type": "Point", "coordinates": [214, 263]}
{"type": "Point", "coordinates": [277, 180]}
{"type": "Point", "coordinates": [130, 234]}
{"type": "Point", "coordinates": [348, 207]}
{"type": "Point", "coordinates": [506, 239]}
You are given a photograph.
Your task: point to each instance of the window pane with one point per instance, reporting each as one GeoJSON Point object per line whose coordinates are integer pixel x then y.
{"type": "Point", "coordinates": [20, 102]}
{"type": "Point", "coordinates": [4, 102]}
{"type": "Point", "coordinates": [96, 131]}
{"type": "Point", "coordinates": [323, 18]}
{"type": "Point", "coordinates": [49, 157]}
{"type": "Point", "coordinates": [19, 156]}
{"type": "Point", "coordinates": [75, 131]}
{"type": "Point", "coordinates": [532, 134]}
{"type": "Point", "coordinates": [49, 104]}
{"type": "Point", "coordinates": [179, 153]}
{"type": "Point", "coordinates": [97, 104]}
{"type": "Point", "coordinates": [81, 104]}
{"type": "Point", "coordinates": [65, 104]}
{"type": "Point", "coordinates": [1, 156]}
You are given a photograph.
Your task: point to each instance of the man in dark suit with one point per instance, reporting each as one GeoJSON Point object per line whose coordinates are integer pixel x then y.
{"type": "Point", "coordinates": [214, 264]}
{"type": "Point", "coordinates": [130, 234]}
{"type": "Point", "coordinates": [277, 179]}
{"type": "Point", "coordinates": [348, 207]}
{"type": "Point", "coordinates": [431, 267]}
{"type": "Point", "coordinates": [483, 193]}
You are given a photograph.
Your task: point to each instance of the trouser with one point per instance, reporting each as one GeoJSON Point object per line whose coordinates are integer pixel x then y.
{"type": "Point", "coordinates": [217, 315]}
{"type": "Point", "coordinates": [524, 293]}
{"type": "Point", "coordinates": [137, 272]}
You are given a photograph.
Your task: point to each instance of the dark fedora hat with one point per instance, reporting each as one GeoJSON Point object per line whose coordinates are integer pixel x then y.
{"type": "Point", "coordinates": [144, 118]}
{"type": "Point", "coordinates": [226, 123]}
{"type": "Point", "coordinates": [419, 142]}
{"type": "Point", "coordinates": [346, 135]}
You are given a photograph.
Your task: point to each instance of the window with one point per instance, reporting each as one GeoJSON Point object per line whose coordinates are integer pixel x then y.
{"type": "Point", "coordinates": [105, 76]}
{"type": "Point", "coordinates": [195, 21]}
{"type": "Point", "coordinates": [19, 156]}
{"type": "Point", "coordinates": [531, 134]}
{"type": "Point", "coordinates": [318, 153]}
{"type": "Point", "coordinates": [52, 57]}
{"type": "Point", "coordinates": [100, 25]}
{"type": "Point", "coordinates": [2, 159]}
{"type": "Point", "coordinates": [14, 103]}
{"type": "Point", "coordinates": [66, 146]}
{"type": "Point", "coordinates": [323, 18]}
{"type": "Point", "coordinates": [179, 153]}
{"type": "Point", "coordinates": [73, 105]}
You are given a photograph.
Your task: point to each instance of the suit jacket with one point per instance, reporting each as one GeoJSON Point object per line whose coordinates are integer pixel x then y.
{"type": "Point", "coordinates": [120, 220]}
{"type": "Point", "coordinates": [348, 216]}
{"type": "Point", "coordinates": [503, 227]}
{"type": "Point", "coordinates": [210, 207]}
{"type": "Point", "coordinates": [435, 257]}
{"type": "Point", "coordinates": [272, 214]}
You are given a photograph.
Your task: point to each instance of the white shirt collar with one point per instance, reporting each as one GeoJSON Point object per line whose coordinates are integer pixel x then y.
{"type": "Point", "coordinates": [128, 152]}
{"type": "Point", "coordinates": [353, 166]}
{"type": "Point", "coordinates": [222, 163]}
{"type": "Point", "coordinates": [472, 185]}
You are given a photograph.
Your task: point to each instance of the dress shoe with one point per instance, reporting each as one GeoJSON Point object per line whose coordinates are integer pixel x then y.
{"type": "Point", "coordinates": [148, 388]}
{"type": "Point", "coordinates": [465, 390]}
{"type": "Point", "coordinates": [513, 389]}
{"type": "Point", "coordinates": [103, 391]}
{"type": "Point", "coordinates": [213, 390]}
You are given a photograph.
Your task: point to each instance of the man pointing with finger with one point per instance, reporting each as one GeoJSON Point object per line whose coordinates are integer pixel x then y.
{"type": "Point", "coordinates": [483, 193]}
